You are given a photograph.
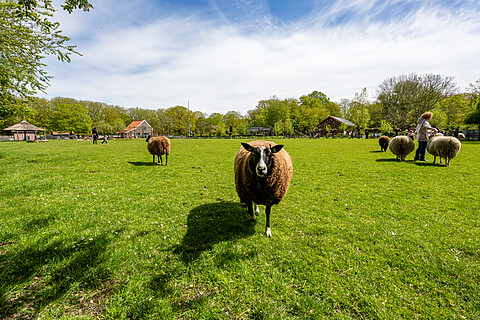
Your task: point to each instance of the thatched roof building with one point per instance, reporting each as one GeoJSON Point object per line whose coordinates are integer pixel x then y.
{"type": "Point", "coordinates": [24, 131]}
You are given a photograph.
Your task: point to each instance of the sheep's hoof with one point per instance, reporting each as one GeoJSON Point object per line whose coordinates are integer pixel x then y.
{"type": "Point", "coordinates": [257, 210]}
{"type": "Point", "coordinates": [268, 232]}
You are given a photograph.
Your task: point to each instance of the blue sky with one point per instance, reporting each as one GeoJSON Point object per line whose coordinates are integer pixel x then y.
{"type": "Point", "coordinates": [228, 55]}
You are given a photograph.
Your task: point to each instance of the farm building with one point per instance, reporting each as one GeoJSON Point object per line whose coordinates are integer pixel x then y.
{"type": "Point", "coordinates": [24, 131]}
{"type": "Point", "coordinates": [136, 129]}
{"type": "Point", "coordinates": [331, 124]}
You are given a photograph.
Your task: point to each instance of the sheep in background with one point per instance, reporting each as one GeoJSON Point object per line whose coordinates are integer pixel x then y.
{"type": "Point", "coordinates": [445, 147]}
{"type": "Point", "coordinates": [430, 149]}
{"type": "Point", "coordinates": [263, 171]}
{"type": "Point", "coordinates": [461, 136]}
{"type": "Point", "coordinates": [384, 141]}
{"type": "Point", "coordinates": [401, 146]}
{"type": "Point", "coordinates": [158, 146]}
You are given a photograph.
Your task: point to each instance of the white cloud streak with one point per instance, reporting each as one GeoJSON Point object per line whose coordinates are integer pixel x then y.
{"type": "Point", "coordinates": [168, 59]}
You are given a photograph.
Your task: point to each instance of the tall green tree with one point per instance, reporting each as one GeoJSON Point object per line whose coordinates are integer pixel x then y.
{"type": "Point", "coordinates": [181, 119]}
{"type": "Point", "coordinates": [27, 36]}
{"type": "Point", "coordinates": [313, 108]}
{"type": "Point", "coordinates": [70, 117]}
{"type": "Point", "coordinates": [406, 97]}
{"type": "Point", "coordinates": [358, 111]}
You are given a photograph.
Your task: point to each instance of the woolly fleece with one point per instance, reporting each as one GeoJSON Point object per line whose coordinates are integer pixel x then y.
{"type": "Point", "coordinates": [401, 146]}
{"type": "Point", "coordinates": [384, 141]}
{"type": "Point", "coordinates": [158, 146]}
{"type": "Point", "coordinates": [271, 188]}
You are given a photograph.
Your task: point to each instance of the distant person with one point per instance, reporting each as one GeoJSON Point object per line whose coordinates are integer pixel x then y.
{"type": "Point", "coordinates": [94, 135]}
{"type": "Point", "coordinates": [366, 134]}
{"type": "Point", "coordinates": [423, 131]}
{"type": "Point", "coordinates": [455, 132]}
{"type": "Point", "coordinates": [105, 138]}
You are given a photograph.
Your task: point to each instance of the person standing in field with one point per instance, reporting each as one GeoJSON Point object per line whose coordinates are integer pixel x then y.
{"type": "Point", "coordinates": [94, 135]}
{"type": "Point", "coordinates": [423, 131]}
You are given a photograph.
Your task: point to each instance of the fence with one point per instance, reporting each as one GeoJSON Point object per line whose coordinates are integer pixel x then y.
{"type": "Point", "coordinates": [472, 135]}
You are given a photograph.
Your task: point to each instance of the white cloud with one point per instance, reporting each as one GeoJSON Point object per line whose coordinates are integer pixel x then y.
{"type": "Point", "coordinates": [163, 62]}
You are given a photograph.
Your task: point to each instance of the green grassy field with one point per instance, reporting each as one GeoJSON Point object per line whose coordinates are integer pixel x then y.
{"type": "Point", "coordinates": [97, 231]}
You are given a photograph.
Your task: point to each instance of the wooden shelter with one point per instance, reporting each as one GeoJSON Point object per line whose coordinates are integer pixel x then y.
{"type": "Point", "coordinates": [24, 131]}
{"type": "Point", "coordinates": [333, 123]}
{"type": "Point", "coordinates": [136, 129]}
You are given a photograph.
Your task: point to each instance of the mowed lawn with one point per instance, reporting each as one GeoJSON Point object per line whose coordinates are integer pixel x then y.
{"type": "Point", "coordinates": [96, 231]}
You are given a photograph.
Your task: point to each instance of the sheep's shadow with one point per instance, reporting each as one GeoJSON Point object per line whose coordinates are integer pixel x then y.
{"type": "Point", "coordinates": [429, 164]}
{"type": "Point", "coordinates": [387, 160]}
{"type": "Point", "coordinates": [212, 223]}
{"type": "Point", "coordinates": [139, 164]}
{"type": "Point", "coordinates": [376, 151]}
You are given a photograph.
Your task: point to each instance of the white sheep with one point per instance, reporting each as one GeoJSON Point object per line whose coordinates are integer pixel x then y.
{"type": "Point", "coordinates": [263, 171]}
{"type": "Point", "coordinates": [430, 149]}
{"type": "Point", "coordinates": [444, 147]}
{"type": "Point", "coordinates": [401, 146]}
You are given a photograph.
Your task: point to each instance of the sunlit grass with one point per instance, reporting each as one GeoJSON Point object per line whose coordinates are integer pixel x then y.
{"type": "Point", "coordinates": [98, 231]}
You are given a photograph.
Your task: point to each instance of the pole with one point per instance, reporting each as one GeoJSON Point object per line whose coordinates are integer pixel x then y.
{"type": "Point", "coordinates": [188, 114]}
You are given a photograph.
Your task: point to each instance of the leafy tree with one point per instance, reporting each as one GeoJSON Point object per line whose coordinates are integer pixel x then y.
{"type": "Point", "coordinates": [385, 127]}
{"type": "Point", "coordinates": [344, 104]}
{"type": "Point", "coordinates": [474, 117]}
{"type": "Point", "coordinates": [358, 111]}
{"type": "Point", "coordinates": [232, 120]}
{"type": "Point", "coordinates": [180, 118]}
{"type": "Point", "coordinates": [41, 112]}
{"type": "Point", "coordinates": [165, 122]}
{"type": "Point", "coordinates": [216, 124]}
{"type": "Point", "coordinates": [314, 107]}
{"type": "Point", "coordinates": [242, 127]}
{"type": "Point", "coordinates": [405, 97]}
{"type": "Point", "coordinates": [70, 117]}
{"type": "Point", "coordinates": [455, 108]}
{"type": "Point", "coordinates": [27, 36]}
{"type": "Point", "coordinates": [440, 119]}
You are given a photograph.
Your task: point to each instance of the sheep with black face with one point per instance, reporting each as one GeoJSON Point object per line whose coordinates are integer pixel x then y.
{"type": "Point", "coordinates": [263, 171]}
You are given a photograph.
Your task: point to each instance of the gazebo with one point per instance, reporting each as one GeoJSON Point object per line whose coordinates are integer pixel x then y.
{"type": "Point", "coordinates": [24, 131]}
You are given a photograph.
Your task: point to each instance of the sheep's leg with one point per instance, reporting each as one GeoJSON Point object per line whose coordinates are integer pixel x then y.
{"type": "Point", "coordinates": [154, 159]}
{"type": "Point", "coordinates": [257, 210]}
{"type": "Point", "coordinates": [166, 159]}
{"type": "Point", "coordinates": [268, 232]}
{"type": "Point", "coordinates": [250, 209]}
{"type": "Point", "coordinates": [434, 158]}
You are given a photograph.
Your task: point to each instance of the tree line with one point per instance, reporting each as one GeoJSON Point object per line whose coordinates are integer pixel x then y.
{"type": "Point", "coordinates": [28, 35]}
{"type": "Point", "coordinates": [398, 103]}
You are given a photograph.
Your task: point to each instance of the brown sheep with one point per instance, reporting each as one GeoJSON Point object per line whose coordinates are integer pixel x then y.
{"type": "Point", "coordinates": [384, 141]}
{"type": "Point", "coordinates": [263, 171]}
{"type": "Point", "coordinates": [158, 146]}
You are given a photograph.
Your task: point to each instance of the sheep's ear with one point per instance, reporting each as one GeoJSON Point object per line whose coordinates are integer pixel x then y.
{"type": "Point", "coordinates": [247, 147]}
{"type": "Point", "coordinates": [277, 148]}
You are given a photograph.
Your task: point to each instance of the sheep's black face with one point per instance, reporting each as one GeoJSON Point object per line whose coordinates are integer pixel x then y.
{"type": "Point", "coordinates": [262, 157]}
